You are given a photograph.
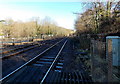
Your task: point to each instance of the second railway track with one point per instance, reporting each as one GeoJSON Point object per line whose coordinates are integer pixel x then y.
{"type": "Point", "coordinates": [24, 48]}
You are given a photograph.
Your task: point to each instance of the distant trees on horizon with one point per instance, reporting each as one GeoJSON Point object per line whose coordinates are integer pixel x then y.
{"type": "Point", "coordinates": [35, 27]}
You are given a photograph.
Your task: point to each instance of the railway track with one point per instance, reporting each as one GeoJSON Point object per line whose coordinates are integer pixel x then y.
{"type": "Point", "coordinates": [17, 51]}
{"type": "Point", "coordinates": [29, 62]}
{"type": "Point", "coordinates": [21, 49]}
{"type": "Point", "coordinates": [47, 67]}
{"type": "Point", "coordinates": [9, 49]}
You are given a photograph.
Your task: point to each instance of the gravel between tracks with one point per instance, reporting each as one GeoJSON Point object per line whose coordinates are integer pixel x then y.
{"type": "Point", "coordinates": [10, 64]}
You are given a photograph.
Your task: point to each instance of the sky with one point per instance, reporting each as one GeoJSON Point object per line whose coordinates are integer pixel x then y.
{"type": "Point", "coordinates": [60, 12]}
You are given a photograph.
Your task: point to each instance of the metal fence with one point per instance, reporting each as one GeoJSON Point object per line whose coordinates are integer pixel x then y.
{"type": "Point", "coordinates": [4, 42]}
{"type": "Point", "coordinates": [105, 60]}
{"type": "Point", "coordinates": [99, 64]}
{"type": "Point", "coordinates": [20, 41]}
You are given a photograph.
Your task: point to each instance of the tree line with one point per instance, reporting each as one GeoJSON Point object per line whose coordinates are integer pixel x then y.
{"type": "Point", "coordinates": [33, 28]}
{"type": "Point", "coordinates": [99, 17]}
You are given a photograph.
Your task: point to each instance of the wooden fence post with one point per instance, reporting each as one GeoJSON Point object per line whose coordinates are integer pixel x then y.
{"type": "Point", "coordinates": [109, 59]}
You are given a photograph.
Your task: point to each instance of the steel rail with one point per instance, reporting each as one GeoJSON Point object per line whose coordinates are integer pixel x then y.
{"type": "Point", "coordinates": [53, 63]}
{"type": "Point", "coordinates": [16, 70]}
{"type": "Point", "coordinates": [18, 52]}
{"type": "Point", "coordinates": [14, 49]}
